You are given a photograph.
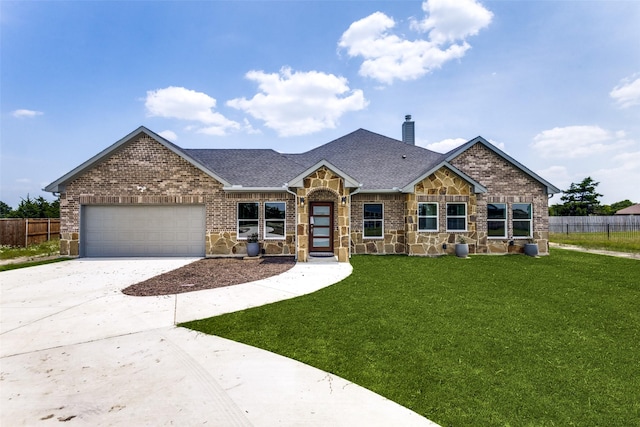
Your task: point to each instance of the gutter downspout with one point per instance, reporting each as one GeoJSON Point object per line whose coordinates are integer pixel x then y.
{"type": "Point", "coordinates": [295, 201]}
{"type": "Point", "coordinates": [349, 228]}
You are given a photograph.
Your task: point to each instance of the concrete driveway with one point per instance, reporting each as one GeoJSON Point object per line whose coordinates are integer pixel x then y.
{"type": "Point", "coordinates": [75, 349]}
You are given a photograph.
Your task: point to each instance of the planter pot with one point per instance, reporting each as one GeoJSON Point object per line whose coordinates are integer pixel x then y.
{"type": "Point", "coordinates": [531, 249]}
{"type": "Point", "coordinates": [253, 249]}
{"type": "Point", "coordinates": [462, 250]}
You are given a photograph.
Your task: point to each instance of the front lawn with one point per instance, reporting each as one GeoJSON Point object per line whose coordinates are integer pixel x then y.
{"type": "Point", "coordinates": [614, 241]}
{"type": "Point", "coordinates": [490, 340]}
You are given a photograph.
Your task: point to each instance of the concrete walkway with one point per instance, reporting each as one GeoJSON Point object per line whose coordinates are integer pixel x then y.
{"type": "Point", "coordinates": [75, 349]}
{"type": "Point", "coordinates": [630, 255]}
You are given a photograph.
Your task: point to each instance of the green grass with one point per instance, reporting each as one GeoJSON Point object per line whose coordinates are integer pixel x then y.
{"type": "Point", "coordinates": [52, 247]}
{"type": "Point", "coordinates": [16, 266]}
{"type": "Point", "coordinates": [491, 340]}
{"type": "Point", "coordinates": [616, 241]}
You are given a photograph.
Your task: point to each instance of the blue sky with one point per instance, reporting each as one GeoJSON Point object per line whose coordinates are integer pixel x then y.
{"type": "Point", "coordinates": [556, 84]}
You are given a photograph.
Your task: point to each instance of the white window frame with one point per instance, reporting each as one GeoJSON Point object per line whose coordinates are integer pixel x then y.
{"type": "Point", "coordinates": [238, 219]}
{"type": "Point", "coordinates": [364, 220]}
{"type": "Point", "coordinates": [503, 220]}
{"type": "Point", "coordinates": [529, 220]}
{"type": "Point", "coordinates": [447, 216]}
{"type": "Point", "coordinates": [437, 217]}
{"type": "Point", "coordinates": [283, 220]}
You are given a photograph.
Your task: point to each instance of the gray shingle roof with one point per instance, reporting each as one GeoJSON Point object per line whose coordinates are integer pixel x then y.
{"type": "Point", "coordinates": [376, 161]}
{"type": "Point", "coordinates": [248, 167]}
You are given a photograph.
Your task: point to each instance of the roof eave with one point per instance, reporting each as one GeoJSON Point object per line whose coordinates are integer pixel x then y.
{"type": "Point", "coordinates": [240, 188]}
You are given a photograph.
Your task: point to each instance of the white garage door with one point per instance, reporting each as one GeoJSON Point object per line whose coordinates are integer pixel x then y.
{"type": "Point", "coordinates": [115, 231]}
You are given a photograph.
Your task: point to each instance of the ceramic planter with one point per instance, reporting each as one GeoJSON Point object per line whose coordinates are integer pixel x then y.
{"type": "Point", "coordinates": [462, 250]}
{"type": "Point", "coordinates": [531, 249]}
{"type": "Point", "coordinates": [253, 249]}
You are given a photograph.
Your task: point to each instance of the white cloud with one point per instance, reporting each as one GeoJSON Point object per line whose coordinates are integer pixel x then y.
{"type": "Point", "coordinates": [445, 145]}
{"type": "Point", "coordinates": [578, 141]}
{"type": "Point", "coordinates": [388, 57]}
{"type": "Point", "coordinates": [627, 93]}
{"type": "Point", "coordinates": [449, 144]}
{"type": "Point", "coordinates": [169, 134]}
{"type": "Point", "coordinates": [451, 20]}
{"type": "Point", "coordinates": [557, 175]}
{"type": "Point", "coordinates": [22, 114]}
{"type": "Point", "coordinates": [185, 104]}
{"type": "Point", "coordinates": [620, 182]}
{"type": "Point", "coordinates": [299, 103]}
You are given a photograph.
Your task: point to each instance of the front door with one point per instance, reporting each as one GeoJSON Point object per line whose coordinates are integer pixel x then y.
{"type": "Point", "coordinates": [321, 226]}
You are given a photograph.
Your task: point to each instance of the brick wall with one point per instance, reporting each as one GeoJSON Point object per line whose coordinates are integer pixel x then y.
{"type": "Point", "coordinates": [505, 184]}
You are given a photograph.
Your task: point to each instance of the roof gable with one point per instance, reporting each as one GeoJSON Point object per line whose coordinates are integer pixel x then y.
{"type": "Point", "coordinates": [59, 184]}
{"type": "Point", "coordinates": [298, 181]}
{"type": "Point", "coordinates": [477, 187]}
{"type": "Point", "coordinates": [551, 189]}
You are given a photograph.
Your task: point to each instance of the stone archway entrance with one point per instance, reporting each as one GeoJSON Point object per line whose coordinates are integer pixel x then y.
{"type": "Point", "coordinates": [321, 228]}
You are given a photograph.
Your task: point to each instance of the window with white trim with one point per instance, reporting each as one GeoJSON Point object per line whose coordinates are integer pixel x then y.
{"type": "Point", "coordinates": [247, 220]}
{"type": "Point", "coordinates": [373, 221]}
{"type": "Point", "coordinates": [427, 217]}
{"type": "Point", "coordinates": [456, 217]}
{"type": "Point", "coordinates": [497, 220]}
{"type": "Point", "coordinates": [275, 220]}
{"type": "Point", "coordinates": [522, 215]}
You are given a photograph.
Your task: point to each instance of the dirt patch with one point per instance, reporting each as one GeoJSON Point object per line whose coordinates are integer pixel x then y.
{"type": "Point", "coordinates": [211, 273]}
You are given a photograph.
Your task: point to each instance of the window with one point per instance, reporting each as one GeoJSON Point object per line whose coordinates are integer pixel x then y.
{"type": "Point", "coordinates": [247, 219]}
{"type": "Point", "coordinates": [373, 220]}
{"type": "Point", "coordinates": [497, 220]}
{"type": "Point", "coordinates": [456, 217]}
{"type": "Point", "coordinates": [427, 217]}
{"type": "Point", "coordinates": [522, 215]}
{"type": "Point", "coordinates": [274, 220]}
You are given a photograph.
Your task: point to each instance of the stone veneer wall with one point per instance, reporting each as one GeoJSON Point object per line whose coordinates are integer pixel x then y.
{"type": "Point", "coordinates": [324, 185]}
{"type": "Point", "coordinates": [442, 186]}
{"type": "Point", "coordinates": [505, 184]}
{"type": "Point", "coordinates": [393, 241]}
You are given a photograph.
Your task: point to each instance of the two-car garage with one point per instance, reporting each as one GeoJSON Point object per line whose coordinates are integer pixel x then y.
{"type": "Point", "coordinates": [142, 230]}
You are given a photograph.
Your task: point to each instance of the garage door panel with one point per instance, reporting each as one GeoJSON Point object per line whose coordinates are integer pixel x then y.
{"type": "Point", "coordinates": [143, 230]}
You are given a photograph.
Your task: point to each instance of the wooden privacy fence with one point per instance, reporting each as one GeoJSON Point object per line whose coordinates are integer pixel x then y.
{"type": "Point", "coordinates": [613, 226]}
{"type": "Point", "coordinates": [28, 231]}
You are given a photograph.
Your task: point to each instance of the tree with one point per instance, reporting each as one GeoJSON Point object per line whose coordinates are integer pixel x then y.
{"type": "Point", "coordinates": [615, 207]}
{"type": "Point", "coordinates": [580, 199]}
{"type": "Point", "coordinates": [37, 208]}
{"type": "Point", "coordinates": [5, 210]}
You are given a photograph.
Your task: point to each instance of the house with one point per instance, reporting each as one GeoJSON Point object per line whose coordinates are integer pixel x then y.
{"type": "Point", "coordinates": [631, 210]}
{"type": "Point", "coordinates": [363, 193]}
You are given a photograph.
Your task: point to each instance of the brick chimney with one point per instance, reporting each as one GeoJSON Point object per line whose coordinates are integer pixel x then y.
{"type": "Point", "coordinates": [408, 131]}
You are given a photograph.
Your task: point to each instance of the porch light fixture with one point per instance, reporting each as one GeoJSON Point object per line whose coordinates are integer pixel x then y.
{"type": "Point", "coordinates": [301, 201]}
{"type": "Point", "coordinates": [344, 200]}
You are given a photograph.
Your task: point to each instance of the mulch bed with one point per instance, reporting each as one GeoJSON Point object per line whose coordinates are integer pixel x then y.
{"type": "Point", "coordinates": [211, 273]}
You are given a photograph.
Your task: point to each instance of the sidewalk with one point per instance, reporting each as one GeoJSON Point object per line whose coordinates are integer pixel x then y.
{"type": "Point", "coordinates": [635, 255]}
